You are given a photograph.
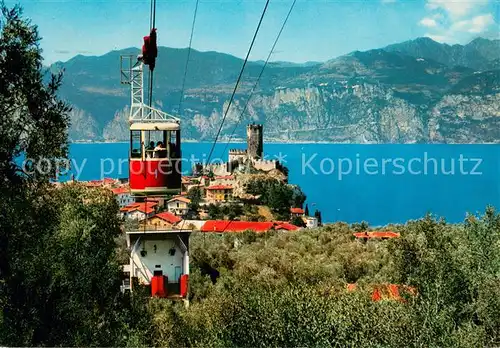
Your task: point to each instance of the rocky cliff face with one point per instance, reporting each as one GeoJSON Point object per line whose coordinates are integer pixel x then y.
{"type": "Point", "coordinates": [363, 113]}
{"type": "Point", "coordinates": [462, 118]}
{"type": "Point", "coordinates": [83, 126]}
{"type": "Point", "coordinates": [400, 94]}
{"type": "Point", "coordinates": [118, 128]}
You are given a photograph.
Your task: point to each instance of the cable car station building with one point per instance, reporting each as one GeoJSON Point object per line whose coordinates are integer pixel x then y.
{"type": "Point", "coordinates": [159, 259]}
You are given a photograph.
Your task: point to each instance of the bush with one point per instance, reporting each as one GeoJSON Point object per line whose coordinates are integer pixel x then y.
{"type": "Point", "coordinates": [278, 196]}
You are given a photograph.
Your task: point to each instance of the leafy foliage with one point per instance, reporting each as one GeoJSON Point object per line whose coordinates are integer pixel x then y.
{"type": "Point", "coordinates": [195, 195]}
{"type": "Point", "coordinates": [360, 227]}
{"type": "Point", "coordinates": [297, 221]}
{"type": "Point", "coordinates": [277, 195]}
{"type": "Point", "coordinates": [214, 212]}
{"type": "Point", "coordinates": [289, 289]}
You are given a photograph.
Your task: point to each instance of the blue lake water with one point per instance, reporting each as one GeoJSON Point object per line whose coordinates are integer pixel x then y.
{"type": "Point", "coordinates": [377, 183]}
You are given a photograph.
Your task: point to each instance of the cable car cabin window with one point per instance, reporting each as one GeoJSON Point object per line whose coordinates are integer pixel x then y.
{"type": "Point", "coordinates": [135, 144]}
{"type": "Point", "coordinates": [156, 144]}
{"type": "Point", "coordinates": [162, 144]}
{"type": "Point", "coordinates": [173, 145]}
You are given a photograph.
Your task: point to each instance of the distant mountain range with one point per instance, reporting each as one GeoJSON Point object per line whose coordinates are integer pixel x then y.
{"type": "Point", "coordinates": [414, 91]}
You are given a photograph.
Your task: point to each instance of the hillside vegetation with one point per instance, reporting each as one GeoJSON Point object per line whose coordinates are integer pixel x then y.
{"type": "Point", "coordinates": [289, 289]}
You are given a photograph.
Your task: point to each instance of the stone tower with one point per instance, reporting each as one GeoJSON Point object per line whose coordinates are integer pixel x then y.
{"type": "Point", "coordinates": [255, 143]}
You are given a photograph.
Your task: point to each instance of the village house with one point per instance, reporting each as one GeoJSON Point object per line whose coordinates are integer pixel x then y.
{"type": "Point", "coordinates": [178, 205]}
{"type": "Point", "coordinates": [139, 211]}
{"type": "Point", "coordinates": [109, 182]}
{"type": "Point", "coordinates": [163, 220]}
{"type": "Point", "coordinates": [219, 193]}
{"type": "Point", "coordinates": [296, 212]}
{"type": "Point", "coordinates": [185, 182]}
{"type": "Point", "coordinates": [310, 221]}
{"type": "Point", "coordinates": [224, 180]}
{"type": "Point", "coordinates": [93, 183]}
{"type": "Point", "coordinates": [123, 196]}
{"type": "Point", "coordinates": [106, 182]}
{"type": "Point", "coordinates": [222, 226]}
{"type": "Point", "coordinates": [199, 186]}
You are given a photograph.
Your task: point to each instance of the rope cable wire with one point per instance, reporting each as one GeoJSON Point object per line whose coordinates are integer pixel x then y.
{"type": "Point", "coordinates": [255, 85]}
{"type": "Point", "coordinates": [151, 15]}
{"type": "Point", "coordinates": [240, 118]}
{"type": "Point", "coordinates": [151, 72]}
{"type": "Point", "coordinates": [154, 14]}
{"type": "Point", "coordinates": [237, 83]}
{"type": "Point", "coordinates": [187, 59]}
{"type": "Point", "coordinates": [152, 21]}
{"type": "Point", "coordinates": [184, 81]}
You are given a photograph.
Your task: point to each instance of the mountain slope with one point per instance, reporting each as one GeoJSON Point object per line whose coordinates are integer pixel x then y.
{"type": "Point", "coordinates": [477, 54]}
{"type": "Point", "coordinates": [408, 92]}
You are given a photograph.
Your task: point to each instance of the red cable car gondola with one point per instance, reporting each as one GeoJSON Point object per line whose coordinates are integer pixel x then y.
{"type": "Point", "coordinates": [155, 158]}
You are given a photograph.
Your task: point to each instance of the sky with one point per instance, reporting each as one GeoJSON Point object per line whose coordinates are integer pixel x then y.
{"type": "Point", "coordinates": [318, 30]}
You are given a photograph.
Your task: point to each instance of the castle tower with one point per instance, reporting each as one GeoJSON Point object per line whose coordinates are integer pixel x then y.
{"type": "Point", "coordinates": [255, 143]}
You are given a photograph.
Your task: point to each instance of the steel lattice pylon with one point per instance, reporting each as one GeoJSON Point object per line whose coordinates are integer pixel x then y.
{"type": "Point", "coordinates": [132, 73]}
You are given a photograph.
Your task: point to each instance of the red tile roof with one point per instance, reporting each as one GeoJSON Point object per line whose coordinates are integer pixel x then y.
{"type": "Point", "coordinates": [142, 209]}
{"type": "Point", "coordinates": [168, 217]}
{"type": "Point", "coordinates": [240, 226]}
{"type": "Point", "coordinates": [129, 207]}
{"type": "Point", "coordinates": [120, 190]}
{"type": "Point", "coordinates": [93, 183]}
{"type": "Point", "coordinates": [297, 210]}
{"type": "Point", "coordinates": [147, 207]}
{"type": "Point", "coordinates": [387, 291]}
{"type": "Point", "coordinates": [376, 234]}
{"type": "Point", "coordinates": [219, 187]}
{"type": "Point", "coordinates": [108, 180]}
{"type": "Point", "coordinates": [180, 198]}
{"type": "Point", "coordinates": [285, 225]}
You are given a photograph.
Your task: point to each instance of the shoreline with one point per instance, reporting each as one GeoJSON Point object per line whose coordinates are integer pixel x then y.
{"type": "Point", "coordinates": [291, 142]}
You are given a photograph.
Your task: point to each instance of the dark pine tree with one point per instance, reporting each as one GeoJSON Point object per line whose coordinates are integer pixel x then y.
{"type": "Point", "coordinates": [317, 215]}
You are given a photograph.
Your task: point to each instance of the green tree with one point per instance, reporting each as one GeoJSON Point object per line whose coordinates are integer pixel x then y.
{"type": "Point", "coordinates": [233, 210]}
{"type": "Point", "coordinates": [194, 194]}
{"type": "Point", "coordinates": [360, 227]}
{"type": "Point", "coordinates": [33, 128]}
{"type": "Point", "coordinates": [59, 275]}
{"type": "Point", "coordinates": [306, 211]}
{"type": "Point", "coordinates": [298, 197]}
{"type": "Point", "coordinates": [214, 212]}
{"type": "Point", "coordinates": [454, 270]}
{"type": "Point", "coordinates": [317, 215]}
{"type": "Point", "coordinates": [277, 195]}
{"type": "Point", "coordinates": [297, 221]}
